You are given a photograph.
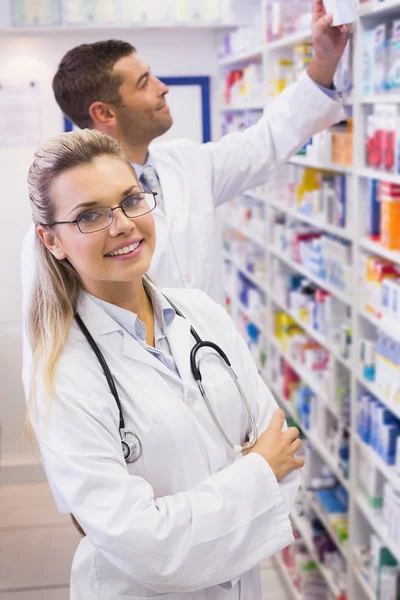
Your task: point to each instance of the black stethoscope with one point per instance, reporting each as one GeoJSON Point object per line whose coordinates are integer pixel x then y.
{"type": "Point", "coordinates": [131, 445]}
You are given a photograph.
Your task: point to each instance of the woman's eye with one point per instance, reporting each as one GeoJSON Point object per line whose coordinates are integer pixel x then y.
{"type": "Point", "coordinates": [133, 201]}
{"type": "Point", "coordinates": [89, 216]}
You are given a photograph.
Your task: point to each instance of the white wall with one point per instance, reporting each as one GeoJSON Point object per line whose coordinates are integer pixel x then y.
{"type": "Point", "coordinates": [35, 57]}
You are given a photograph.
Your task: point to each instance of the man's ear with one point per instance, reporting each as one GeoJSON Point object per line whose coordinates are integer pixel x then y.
{"type": "Point", "coordinates": [50, 240]}
{"type": "Point", "coordinates": [102, 114]}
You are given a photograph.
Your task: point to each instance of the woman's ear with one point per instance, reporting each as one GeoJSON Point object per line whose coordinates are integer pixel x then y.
{"type": "Point", "coordinates": [50, 240]}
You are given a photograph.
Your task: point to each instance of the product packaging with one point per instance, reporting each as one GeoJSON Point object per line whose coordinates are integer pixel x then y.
{"type": "Point", "coordinates": [343, 11]}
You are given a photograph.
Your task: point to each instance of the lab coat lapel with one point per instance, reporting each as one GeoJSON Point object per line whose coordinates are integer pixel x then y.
{"type": "Point", "coordinates": [171, 185]}
{"type": "Point", "coordinates": [103, 328]}
{"type": "Point", "coordinates": [177, 209]}
{"type": "Point", "coordinates": [181, 342]}
{"type": "Point", "coordinates": [133, 350]}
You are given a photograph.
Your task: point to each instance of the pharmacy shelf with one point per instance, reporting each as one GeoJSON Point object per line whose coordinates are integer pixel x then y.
{"type": "Point", "coordinates": [303, 526]}
{"type": "Point", "coordinates": [321, 339]}
{"type": "Point", "coordinates": [244, 232]}
{"type": "Point", "coordinates": [386, 470]}
{"type": "Point", "coordinates": [317, 280]}
{"type": "Point", "coordinates": [378, 524]}
{"type": "Point", "coordinates": [115, 27]}
{"type": "Point", "coordinates": [390, 328]}
{"type": "Point", "coordinates": [259, 284]}
{"type": "Point", "coordinates": [378, 249]}
{"type": "Point", "coordinates": [372, 14]}
{"type": "Point", "coordinates": [255, 196]}
{"type": "Point", "coordinates": [375, 391]}
{"type": "Point", "coordinates": [378, 8]}
{"type": "Point", "coordinates": [255, 319]}
{"type": "Point", "coordinates": [299, 216]}
{"type": "Point", "coordinates": [316, 443]}
{"type": "Point", "coordinates": [329, 528]}
{"type": "Point", "coordinates": [242, 107]}
{"type": "Point", "coordinates": [369, 592]}
{"type": "Point", "coordinates": [244, 57]}
{"type": "Point", "coordinates": [381, 99]}
{"type": "Point", "coordinates": [303, 373]}
{"type": "Point", "coordinates": [286, 578]}
{"type": "Point", "coordinates": [307, 378]}
{"type": "Point", "coordinates": [379, 175]}
{"type": "Point", "coordinates": [299, 37]}
{"type": "Point", "coordinates": [305, 161]}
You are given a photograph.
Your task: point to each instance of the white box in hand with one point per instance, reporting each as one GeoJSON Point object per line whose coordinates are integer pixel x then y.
{"type": "Point", "coordinates": [343, 11]}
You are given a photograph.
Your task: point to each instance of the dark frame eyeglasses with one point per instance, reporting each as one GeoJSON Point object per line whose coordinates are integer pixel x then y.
{"type": "Point", "coordinates": [107, 213]}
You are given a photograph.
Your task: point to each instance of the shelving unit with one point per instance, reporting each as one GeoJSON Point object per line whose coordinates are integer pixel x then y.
{"type": "Point", "coordinates": [368, 591]}
{"type": "Point", "coordinates": [244, 57]}
{"type": "Point", "coordinates": [372, 388]}
{"type": "Point", "coordinates": [287, 580]}
{"type": "Point", "coordinates": [361, 515]}
{"type": "Point", "coordinates": [109, 15]}
{"type": "Point", "coordinates": [291, 40]}
{"type": "Point", "coordinates": [320, 514]}
{"type": "Point", "coordinates": [303, 527]}
{"type": "Point", "coordinates": [312, 333]}
{"type": "Point", "coordinates": [295, 214]}
{"type": "Point", "coordinates": [305, 161]}
{"type": "Point", "coordinates": [316, 443]}
{"type": "Point", "coordinates": [380, 175]}
{"type": "Point", "coordinates": [298, 268]}
{"type": "Point", "coordinates": [375, 248]}
{"type": "Point", "coordinates": [106, 28]}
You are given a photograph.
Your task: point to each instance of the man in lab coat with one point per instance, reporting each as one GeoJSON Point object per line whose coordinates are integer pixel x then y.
{"type": "Point", "coordinates": [109, 87]}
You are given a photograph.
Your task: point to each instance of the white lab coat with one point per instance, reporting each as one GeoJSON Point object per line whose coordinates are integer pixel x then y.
{"type": "Point", "coordinates": [197, 178]}
{"type": "Point", "coordinates": [189, 520]}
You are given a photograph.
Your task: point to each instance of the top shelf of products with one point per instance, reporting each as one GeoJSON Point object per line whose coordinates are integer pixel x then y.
{"type": "Point", "coordinates": [375, 8]}
{"type": "Point", "coordinates": [106, 28]}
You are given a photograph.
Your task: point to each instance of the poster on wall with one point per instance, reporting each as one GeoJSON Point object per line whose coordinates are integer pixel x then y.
{"type": "Point", "coordinates": [20, 125]}
{"type": "Point", "coordinates": [33, 13]}
{"type": "Point", "coordinates": [90, 12]}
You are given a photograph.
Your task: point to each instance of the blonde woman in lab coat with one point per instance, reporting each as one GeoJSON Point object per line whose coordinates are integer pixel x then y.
{"type": "Point", "coordinates": [190, 519]}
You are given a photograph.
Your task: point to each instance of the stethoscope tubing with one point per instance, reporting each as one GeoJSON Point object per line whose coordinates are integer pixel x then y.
{"type": "Point", "coordinates": [195, 368]}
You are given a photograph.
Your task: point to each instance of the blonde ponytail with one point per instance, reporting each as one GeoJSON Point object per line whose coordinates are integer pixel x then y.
{"type": "Point", "coordinates": [57, 285]}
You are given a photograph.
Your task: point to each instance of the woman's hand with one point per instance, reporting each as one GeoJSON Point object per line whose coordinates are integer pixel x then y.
{"type": "Point", "coordinates": [278, 447]}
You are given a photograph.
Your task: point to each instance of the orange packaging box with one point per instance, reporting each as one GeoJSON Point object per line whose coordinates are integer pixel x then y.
{"type": "Point", "coordinates": [342, 148]}
{"type": "Point", "coordinates": [390, 225]}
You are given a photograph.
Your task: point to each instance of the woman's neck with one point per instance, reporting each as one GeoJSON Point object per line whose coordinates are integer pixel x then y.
{"type": "Point", "coordinates": [131, 296]}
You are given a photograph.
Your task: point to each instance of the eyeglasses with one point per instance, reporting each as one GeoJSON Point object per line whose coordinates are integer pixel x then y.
{"type": "Point", "coordinates": [96, 219]}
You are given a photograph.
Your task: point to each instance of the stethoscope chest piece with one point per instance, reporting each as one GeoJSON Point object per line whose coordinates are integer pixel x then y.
{"type": "Point", "coordinates": [131, 446]}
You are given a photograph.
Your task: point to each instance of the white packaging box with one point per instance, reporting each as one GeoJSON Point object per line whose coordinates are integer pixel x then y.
{"type": "Point", "coordinates": [343, 11]}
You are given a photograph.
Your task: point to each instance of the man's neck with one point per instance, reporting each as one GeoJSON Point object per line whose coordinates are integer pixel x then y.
{"type": "Point", "coordinates": [137, 154]}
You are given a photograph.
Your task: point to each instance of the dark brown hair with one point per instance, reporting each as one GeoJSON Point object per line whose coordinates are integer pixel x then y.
{"type": "Point", "coordinates": [85, 76]}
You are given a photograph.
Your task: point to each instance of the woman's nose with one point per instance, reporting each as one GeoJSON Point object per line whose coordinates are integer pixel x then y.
{"type": "Point", "coordinates": [121, 223]}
